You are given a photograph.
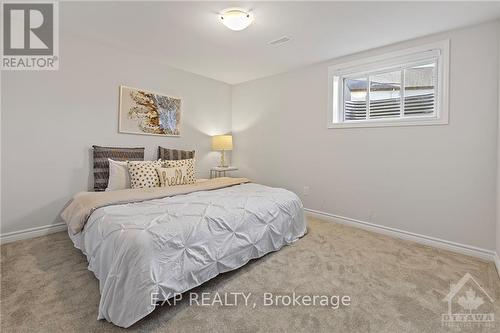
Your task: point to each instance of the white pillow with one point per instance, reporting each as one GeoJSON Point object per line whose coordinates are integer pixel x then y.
{"type": "Point", "coordinates": [119, 177]}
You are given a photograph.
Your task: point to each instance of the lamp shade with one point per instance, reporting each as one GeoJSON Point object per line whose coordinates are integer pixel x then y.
{"type": "Point", "coordinates": [222, 142]}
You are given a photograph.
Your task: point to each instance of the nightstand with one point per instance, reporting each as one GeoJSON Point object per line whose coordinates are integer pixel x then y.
{"type": "Point", "coordinates": [217, 172]}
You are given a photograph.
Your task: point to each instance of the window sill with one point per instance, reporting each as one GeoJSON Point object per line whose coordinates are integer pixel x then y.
{"type": "Point", "coordinates": [390, 123]}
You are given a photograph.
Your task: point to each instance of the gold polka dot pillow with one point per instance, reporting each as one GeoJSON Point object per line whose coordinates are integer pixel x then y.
{"type": "Point", "coordinates": [143, 174]}
{"type": "Point", "coordinates": [189, 163]}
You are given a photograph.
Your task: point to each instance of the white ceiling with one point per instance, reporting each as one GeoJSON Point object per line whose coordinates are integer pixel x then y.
{"type": "Point", "coordinates": [188, 35]}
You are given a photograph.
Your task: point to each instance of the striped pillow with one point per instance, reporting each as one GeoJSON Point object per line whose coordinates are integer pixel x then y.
{"type": "Point", "coordinates": [101, 164]}
{"type": "Point", "coordinates": [174, 154]}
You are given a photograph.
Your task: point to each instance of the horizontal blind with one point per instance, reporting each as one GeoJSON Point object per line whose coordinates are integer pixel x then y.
{"type": "Point", "coordinates": [419, 105]}
{"type": "Point", "coordinates": [355, 110]}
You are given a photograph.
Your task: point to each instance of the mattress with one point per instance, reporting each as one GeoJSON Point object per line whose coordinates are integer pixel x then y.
{"type": "Point", "coordinates": [167, 246]}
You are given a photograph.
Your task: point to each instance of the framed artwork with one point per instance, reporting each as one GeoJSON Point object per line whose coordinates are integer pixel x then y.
{"type": "Point", "coordinates": [148, 113]}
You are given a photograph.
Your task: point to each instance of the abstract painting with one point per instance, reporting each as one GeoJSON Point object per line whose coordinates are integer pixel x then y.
{"type": "Point", "coordinates": [149, 113]}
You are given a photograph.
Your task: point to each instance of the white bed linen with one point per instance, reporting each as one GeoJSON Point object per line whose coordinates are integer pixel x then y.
{"type": "Point", "coordinates": [171, 245]}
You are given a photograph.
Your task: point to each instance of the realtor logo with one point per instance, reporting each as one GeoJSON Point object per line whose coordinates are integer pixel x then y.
{"type": "Point", "coordinates": [30, 36]}
{"type": "Point", "coordinates": [469, 305]}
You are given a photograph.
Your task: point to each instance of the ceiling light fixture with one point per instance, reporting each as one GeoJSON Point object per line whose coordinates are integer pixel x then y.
{"type": "Point", "coordinates": [236, 19]}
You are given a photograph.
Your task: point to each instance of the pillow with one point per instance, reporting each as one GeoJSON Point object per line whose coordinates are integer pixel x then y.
{"type": "Point", "coordinates": [173, 176]}
{"type": "Point", "coordinates": [143, 174]}
{"type": "Point", "coordinates": [189, 163]}
{"type": "Point", "coordinates": [174, 154]}
{"type": "Point", "coordinates": [101, 164]}
{"type": "Point", "coordinates": [119, 178]}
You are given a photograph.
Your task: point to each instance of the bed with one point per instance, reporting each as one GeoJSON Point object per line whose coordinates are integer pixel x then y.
{"type": "Point", "coordinates": [165, 241]}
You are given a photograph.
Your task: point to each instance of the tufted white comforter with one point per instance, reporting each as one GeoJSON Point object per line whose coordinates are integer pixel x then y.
{"type": "Point", "coordinates": [170, 245]}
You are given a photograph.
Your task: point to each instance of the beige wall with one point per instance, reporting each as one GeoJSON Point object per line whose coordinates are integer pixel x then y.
{"type": "Point", "coordinates": [431, 180]}
{"type": "Point", "coordinates": [50, 119]}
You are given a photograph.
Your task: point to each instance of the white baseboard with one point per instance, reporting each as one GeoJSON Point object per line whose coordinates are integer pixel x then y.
{"type": "Point", "coordinates": [418, 238]}
{"type": "Point", "coordinates": [32, 232]}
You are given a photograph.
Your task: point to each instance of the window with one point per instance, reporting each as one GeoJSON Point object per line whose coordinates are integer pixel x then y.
{"type": "Point", "coordinates": [408, 87]}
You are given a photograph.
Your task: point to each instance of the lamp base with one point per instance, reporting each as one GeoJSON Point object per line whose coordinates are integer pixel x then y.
{"type": "Point", "coordinates": [223, 163]}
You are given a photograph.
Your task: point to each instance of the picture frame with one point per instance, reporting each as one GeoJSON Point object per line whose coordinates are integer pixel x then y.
{"type": "Point", "coordinates": [145, 112]}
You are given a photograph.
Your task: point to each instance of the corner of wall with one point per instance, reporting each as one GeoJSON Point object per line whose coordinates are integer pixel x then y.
{"type": "Point", "coordinates": [497, 231]}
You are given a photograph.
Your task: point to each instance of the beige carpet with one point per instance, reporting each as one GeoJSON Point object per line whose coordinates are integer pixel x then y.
{"type": "Point", "coordinates": [395, 286]}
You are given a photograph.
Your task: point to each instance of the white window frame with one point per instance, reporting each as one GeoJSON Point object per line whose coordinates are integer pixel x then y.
{"type": "Point", "coordinates": [437, 51]}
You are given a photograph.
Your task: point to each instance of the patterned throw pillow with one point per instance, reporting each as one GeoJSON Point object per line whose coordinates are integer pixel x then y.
{"type": "Point", "coordinates": [143, 174]}
{"type": "Point", "coordinates": [189, 163]}
{"type": "Point", "coordinates": [173, 176]}
{"type": "Point", "coordinates": [174, 154]}
{"type": "Point", "coordinates": [101, 163]}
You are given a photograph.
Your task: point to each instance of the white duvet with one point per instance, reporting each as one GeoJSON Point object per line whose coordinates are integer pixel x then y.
{"type": "Point", "coordinates": [170, 245]}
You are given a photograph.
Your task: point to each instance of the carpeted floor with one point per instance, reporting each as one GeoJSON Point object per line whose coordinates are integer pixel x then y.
{"type": "Point", "coordinates": [394, 286]}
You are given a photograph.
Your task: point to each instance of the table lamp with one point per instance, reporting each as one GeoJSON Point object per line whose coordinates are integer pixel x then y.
{"type": "Point", "coordinates": [222, 143]}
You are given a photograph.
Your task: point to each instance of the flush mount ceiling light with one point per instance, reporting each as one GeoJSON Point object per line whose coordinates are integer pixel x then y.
{"type": "Point", "coordinates": [236, 19]}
